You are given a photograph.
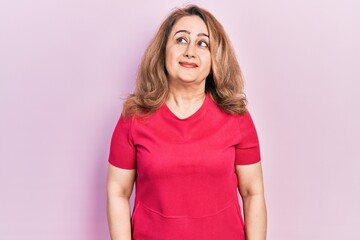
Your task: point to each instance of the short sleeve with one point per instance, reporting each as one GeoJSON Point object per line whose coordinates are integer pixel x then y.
{"type": "Point", "coordinates": [247, 151]}
{"type": "Point", "coordinates": [122, 149]}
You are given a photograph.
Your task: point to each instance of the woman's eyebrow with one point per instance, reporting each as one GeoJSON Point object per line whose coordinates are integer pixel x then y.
{"type": "Point", "coordinates": [184, 31]}
{"type": "Point", "coordinates": [187, 32]}
{"type": "Point", "coordinates": [203, 34]}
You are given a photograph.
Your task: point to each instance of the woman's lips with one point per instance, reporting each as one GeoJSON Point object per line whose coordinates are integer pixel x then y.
{"type": "Point", "coordinates": [188, 64]}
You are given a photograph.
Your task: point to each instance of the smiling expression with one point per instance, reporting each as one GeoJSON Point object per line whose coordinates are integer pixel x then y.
{"type": "Point", "coordinates": [187, 57]}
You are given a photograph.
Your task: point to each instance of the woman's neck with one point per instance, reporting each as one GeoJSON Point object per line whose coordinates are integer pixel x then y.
{"type": "Point", "coordinates": [185, 103]}
{"type": "Point", "coordinates": [186, 93]}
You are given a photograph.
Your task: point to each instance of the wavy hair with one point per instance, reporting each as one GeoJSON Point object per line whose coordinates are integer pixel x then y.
{"type": "Point", "coordinates": [225, 83]}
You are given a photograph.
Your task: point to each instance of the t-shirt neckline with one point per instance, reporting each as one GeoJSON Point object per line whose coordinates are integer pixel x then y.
{"type": "Point", "coordinates": [194, 115]}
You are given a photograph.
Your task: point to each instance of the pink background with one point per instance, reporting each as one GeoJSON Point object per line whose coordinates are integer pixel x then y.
{"type": "Point", "coordinates": [65, 67]}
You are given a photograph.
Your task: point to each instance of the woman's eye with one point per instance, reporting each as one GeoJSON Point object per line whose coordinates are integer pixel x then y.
{"type": "Point", "coordinates": [181, 40]}
{"type": "Point", "coordinates": [203, 44]}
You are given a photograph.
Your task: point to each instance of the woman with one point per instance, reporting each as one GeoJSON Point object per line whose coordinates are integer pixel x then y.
{"type": "Point", "coordinates": [187, 140]}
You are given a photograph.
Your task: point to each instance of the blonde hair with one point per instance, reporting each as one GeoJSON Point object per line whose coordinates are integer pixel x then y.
{"type": "Point", "coordinates": [225, 82]}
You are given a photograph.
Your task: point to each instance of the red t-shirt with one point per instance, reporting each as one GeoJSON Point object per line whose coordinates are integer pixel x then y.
{"type": "Point", "coordinates": [186, 185]}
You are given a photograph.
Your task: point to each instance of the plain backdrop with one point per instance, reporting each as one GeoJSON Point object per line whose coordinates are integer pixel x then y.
{"type": "Point", "coordinates": [66, 66]}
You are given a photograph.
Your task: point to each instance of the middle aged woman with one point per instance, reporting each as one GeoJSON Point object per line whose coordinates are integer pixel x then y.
{"type": "Point", "coordinates": [187, 140]}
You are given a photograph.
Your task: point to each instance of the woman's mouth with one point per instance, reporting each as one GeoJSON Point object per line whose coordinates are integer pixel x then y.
{"type": "Point", "coordinates": [188, 64]}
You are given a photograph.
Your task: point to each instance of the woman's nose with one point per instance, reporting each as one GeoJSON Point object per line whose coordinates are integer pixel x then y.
{"type": "Point", "coordinates": [190, 51]}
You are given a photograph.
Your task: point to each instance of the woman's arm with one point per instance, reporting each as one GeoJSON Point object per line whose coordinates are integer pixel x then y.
{"type": "Point", "coordinates": [120, 183]}
{"type": "Point", "coordinates": [251, 189]}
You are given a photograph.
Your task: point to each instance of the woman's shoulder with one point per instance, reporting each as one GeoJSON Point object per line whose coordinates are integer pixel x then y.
{"type": "Point", "coordinates": [215, 108]}
{"type": "Point", "coordinates": [142, 117]}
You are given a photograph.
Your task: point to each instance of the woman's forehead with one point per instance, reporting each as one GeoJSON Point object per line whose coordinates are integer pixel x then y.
{"type": "Point", "coordinates": [190, 24]}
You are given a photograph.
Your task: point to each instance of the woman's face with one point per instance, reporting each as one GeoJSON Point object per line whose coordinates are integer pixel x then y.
{"type": "Point", "coordinates": [187, 56]}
